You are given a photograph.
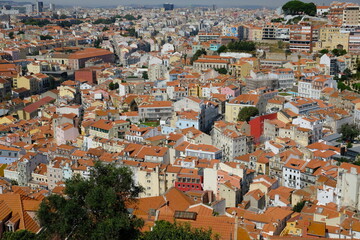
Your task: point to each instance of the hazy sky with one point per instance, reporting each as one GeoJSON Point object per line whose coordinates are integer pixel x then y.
{"type": "Point", "coordinates": [268, 3]}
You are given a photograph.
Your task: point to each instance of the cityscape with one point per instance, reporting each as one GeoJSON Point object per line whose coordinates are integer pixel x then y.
{"type": "Point", "coordinates": [179, 121]}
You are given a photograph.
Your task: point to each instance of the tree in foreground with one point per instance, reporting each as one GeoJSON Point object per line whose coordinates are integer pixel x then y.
{"type": "Point", "coordinates": [164, 230]}
{"type": "Point", "coordinates": [299, 206]}
{"type": "Point", "coordinates": [247, 112]}
{"type": "Point", "coordinates": [20, 235]}
{"type": "Point", "coordinates": [349, 132]}
{"type": "Point", "coordinates": [93, 208]}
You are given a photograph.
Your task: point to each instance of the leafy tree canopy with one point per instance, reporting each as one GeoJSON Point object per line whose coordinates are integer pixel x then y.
{"type": "Point", "coordinates": [247, 112]}
{"type": "Point", "coordinates": [349, 132]}
{"type": "Point", "coordinates": [324, 51]}
{"type": "Point", "coordinates": [11, 35]}
{"type": "Point", "coordinates": [93, 208]}
{"type": "Point", "coordinates": [342, 86]}
{"type": "Point", "coordinates": [145, 75]}
{"type": "Point", "coordinates": [221, 70]}
{"type": "Point", "coordinates": [299, 206]}
{"type": "Point", "coordinates": [36, 22]}
{"type": "Point", "coordinates": [221, 49]}
{"type": "Point", "coordinates": [296, 7]}
{"type": "Point", "coordinates": [105, 20]}
{"type": "Point", "coordinates": [129, 17]}
{"type": "Point", "coordinates": [166, 230]}
{"type": "Point", "coordinates": [20, 235]}
{"type": "Point", "coordinates": [69, 24]}
{"type": "Point", "coordinates": [238, 46]}
{"type": "Point", "coordinates": [46, 37]}
{"type": "Point", "coordinates": [197, 55]}
{"type": "Point", "coordinates": [339, 52]}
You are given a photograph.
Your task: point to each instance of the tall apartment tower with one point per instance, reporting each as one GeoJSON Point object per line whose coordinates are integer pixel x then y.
{"type": "Point", "coordinates": [39, 6]}
{"type": "Point", "coordinates": [168, 6]}
{"type": "Point", "coordinates": [351, 16]}
{"type": "Point", "coordinates": [52, 7]}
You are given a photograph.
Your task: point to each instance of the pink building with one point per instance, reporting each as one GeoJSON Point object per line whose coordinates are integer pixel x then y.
{"type": "Point", "coordinates": [66, 132]}
{"type": "Point", "coordinates": [14, 52]}
{"type": "Point", "coordinates": [230, 91]}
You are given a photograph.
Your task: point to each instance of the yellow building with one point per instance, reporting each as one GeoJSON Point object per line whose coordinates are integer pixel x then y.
{"type": "Point", "coordinates": [103, 129]}
{"type": "Point", "coordinates": [232, 112]}
{"type": "Point", "coordinates": [331, 38]}
{"type": "Point", "coordinates": [262, 166]}
{"type": "Point", "coordinates": [241, 69]}
{"type": "Point", "coordinates": [34, 67]}
{"type": "Point", "coordinates": [7, 120]}
{"type": "Point", "coordinates": [233, 107]}
{"type": "Point", "coordinates": [195, 90]}
{"type": "Point", "coordinates": [351, 15]}
{"type": "Point", "coordinates": [256, 33]}
{"type": "Point", "coordinates": [292, 229]}
{"type": "Point", "coordinates": [27, 82]}
{"type": "Point", "coordinates": [174, 58]}
{"type": "Point", "coordinates": [310, 64]}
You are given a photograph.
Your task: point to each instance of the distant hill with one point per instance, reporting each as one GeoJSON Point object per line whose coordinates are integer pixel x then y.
{"type": "Point", "coordinates": [2, 3]}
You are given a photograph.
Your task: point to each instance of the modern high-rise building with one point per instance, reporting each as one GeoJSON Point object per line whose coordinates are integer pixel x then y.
{"type": "Point", "coordinates": [301, 37]}
{"type": "Point", "coordinates": [168, 6]}
{"type": "Point", "coordinates": [29, 8]}
{"type": "Point", "coordinates": [52, 7]}
{"type": "Point", "coordinates": [351, 16]}
{"type": "Point", "coordinates": [39, 6]}
{"type": "Point", "coordinates": [354, 41]}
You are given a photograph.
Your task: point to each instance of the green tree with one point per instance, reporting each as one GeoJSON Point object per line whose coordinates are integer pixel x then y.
{"type": "Point", "coordinates": [94, 208]}
{"type": "Point", "coordinates": [238, 46]}
{"type": "Point", "coordinates": [66, 24]}
{"type": "Point", "coordinates": [46, 37]}
{"type": "Point", "coordinates": [97, 42]}
{"type": "Point", "coordinates": [129, 17]}
{"type": "Point", "coordinates": [11, 35]}
{"type": "Point", "coordinates": [222, 49]}
{"type": "Point", "coordinates": [299, 206]}
{"type": "Point", "coordinates": [132, 32]}
{"type": "Point", "coordinates": [247, 112]}
{"type": "Point", "coordinates": [105, 29]}
{"type": "Point", "coordinates": [14, 182]}
{"type": "Point", "coordinates": [323, 51]}
{"type": "Point", "coordinates": [342, 86]}
{"type": "Point", "coordinates": [19, 235]}
{"type": "Point", "coordinates": [296, 7]}
{"type": "Point", "coordinates": [145, 75]}
{"type": "Point", "coordinates": [280, 44]}
{"type": "Point", "coordinates": [197, 55]}
{"type": "Point", "coordinates": [277, 20]}
{"type": "Point", "coordinates": [221, 70]}
{"type": "Point", "coordinates": [349, 132]}
{"type": "Point", "coordinates": [338, 52]}
{"type": "Point", "coordinates": [164, 230]}
{"type": "Point", "coordinates": [111, 86]}
{"type": "Point", "coordinates": [347, 74]}
{"type": "Point", "coordinates": [36, 22]}
{"type": "Point", "coordinates": [105, 20]}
